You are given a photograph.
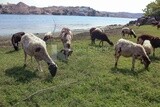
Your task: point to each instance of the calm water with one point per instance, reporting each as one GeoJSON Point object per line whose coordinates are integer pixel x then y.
{"type": "Point", "coordinates": [10, 24]}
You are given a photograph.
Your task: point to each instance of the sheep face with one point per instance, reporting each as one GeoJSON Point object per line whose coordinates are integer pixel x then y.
{"type": "Point", "coordinates": [67, 52]}
{"type": "Point", "coordinates": [146, 61]}
{"type": "Point", "coordinates": [133, 33]}
{"type": "Point", "coordinates": [53, 69]}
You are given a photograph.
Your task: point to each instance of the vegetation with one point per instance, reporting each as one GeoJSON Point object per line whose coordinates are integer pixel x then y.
{"type": "Point", "coordinates": [153, 8]}
{"type": "Point", "coordinates": [88, 79]}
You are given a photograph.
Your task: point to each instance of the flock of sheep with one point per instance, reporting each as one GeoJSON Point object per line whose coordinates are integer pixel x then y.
{"type": "Point", "coordinates": [36, 47]}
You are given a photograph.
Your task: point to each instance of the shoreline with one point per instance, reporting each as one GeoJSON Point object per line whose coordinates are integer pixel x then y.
{"type": "Point", "coordinates": [5, 41]}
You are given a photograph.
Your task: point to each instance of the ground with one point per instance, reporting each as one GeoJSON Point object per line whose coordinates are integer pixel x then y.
{"type": "Point", "coordinates": [87, 79]}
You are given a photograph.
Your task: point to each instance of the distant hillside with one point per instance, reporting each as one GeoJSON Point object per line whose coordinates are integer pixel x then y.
{"type": "Point", "coordinates": [22, 8]}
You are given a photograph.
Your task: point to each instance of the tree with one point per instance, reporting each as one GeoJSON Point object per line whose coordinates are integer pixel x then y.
{"type": "Point", "coordinates": [152, 8]}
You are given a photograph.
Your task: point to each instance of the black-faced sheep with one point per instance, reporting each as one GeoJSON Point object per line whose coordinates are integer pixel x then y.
{"type": "Point", "coordinates": [66, 37]}
{"type": "Point", "coordinates": [155, 41]}
{"type": "Point", "coordinates": [128, 48]}
{"type": "Point", "coordinates": [36, 47]}
{"type": "Point", "coordinates": [128, 31]}
{"type": "Point", "coordinates": [97, 33]}
{"type": "Point", "coordinates": [16, 38]}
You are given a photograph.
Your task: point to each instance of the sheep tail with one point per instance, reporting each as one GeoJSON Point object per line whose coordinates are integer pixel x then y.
{"type": "Point", "coordinates": [14, 44]}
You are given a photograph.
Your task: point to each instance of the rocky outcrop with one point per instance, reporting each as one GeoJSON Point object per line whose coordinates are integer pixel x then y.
{"type": "Point", "coordinates": [145, 21]}
{"type": "Point", "coordinates": [22, 8]}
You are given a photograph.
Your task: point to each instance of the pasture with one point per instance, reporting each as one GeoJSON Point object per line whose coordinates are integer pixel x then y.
{"type": "Point", "coordinates": [88, 79]}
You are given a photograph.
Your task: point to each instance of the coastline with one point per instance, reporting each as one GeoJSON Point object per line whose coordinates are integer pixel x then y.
{"type": "Point", "coordinates": [5, 41]}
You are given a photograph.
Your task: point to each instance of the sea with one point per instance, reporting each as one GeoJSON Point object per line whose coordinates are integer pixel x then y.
{"type": "Point", "coordinates": [10, 24]}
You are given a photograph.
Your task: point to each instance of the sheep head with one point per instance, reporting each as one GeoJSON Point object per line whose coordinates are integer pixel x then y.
{"type": "Point", "coordinates": [53, 69]}
{"type": "Point", "coordinates": [146, 61]}
{"type": "Point", "coordinates": [67, 52]}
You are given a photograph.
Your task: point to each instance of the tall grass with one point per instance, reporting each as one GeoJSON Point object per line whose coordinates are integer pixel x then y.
{"type": "Point", "coordinates": [87, 79]}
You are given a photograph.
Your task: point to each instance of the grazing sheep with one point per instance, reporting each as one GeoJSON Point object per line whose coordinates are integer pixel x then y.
{"type": "Point", "coordinates": [46, 38]}
{"type": "Point", "coordinates": [155, 41]}
{"type": "Point", "coordinates": [36, 47]}
{"type": "Point", "coordinates": [128, 48]}
{"type": "Point", "coordinates": [66, 37]}
{"type": "Point", "coordinates": [16, 38]}
{"type": "Point", "coordinates": [128, 31]}
{"type": "Point", "coordinates": [97, 33]}
{"type": "Point", "coordinates": [147, 46]}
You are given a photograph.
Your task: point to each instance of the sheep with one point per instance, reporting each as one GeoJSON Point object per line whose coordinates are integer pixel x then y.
{"type": "Point", "coordinates": [148, 47]}
{"type": "Point", "coordinates": [46, 38]}
{"type": "Point", "coordinates": [34, 46]}
{"type": "Point", "coordinates": [128, 31]}
{"type": "Point", "coordinates": [16, 38]}
{"type": "Point", "coordinates": [66, 37]}
{"type": "Point", "coordinates": [128, 48]}
{"type": "Point", "coordinates": [155, 41]}
{"type": "Point", "coordinates": [97, 33]}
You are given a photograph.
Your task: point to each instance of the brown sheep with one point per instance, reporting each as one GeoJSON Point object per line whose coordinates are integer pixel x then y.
{"type": "Point", "coordinates": [155, 41]}
{"type": "Point", "coordinates": [97, 33]}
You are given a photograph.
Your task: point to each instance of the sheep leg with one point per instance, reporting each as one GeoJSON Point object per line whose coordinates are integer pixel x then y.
{"type": "Point", "coordinates": [100, 43]}
{"type": "Point", "coordinates": [133, 63]}
{"type": "Point", "coordinates": [92, 41]}
{"type": "Point", "coordinates": [153, 51]}
{"type": "Point", "coordinates": [116, 59]}
{"type": "Point", "coordinates": [25, 58]}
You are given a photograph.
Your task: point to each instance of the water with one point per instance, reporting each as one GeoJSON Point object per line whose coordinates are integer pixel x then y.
{"type": "Point", "coordinates": [10, 24]}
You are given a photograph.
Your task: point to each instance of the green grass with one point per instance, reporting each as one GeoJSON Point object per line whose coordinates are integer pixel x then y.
{"type": "Point", "coordinates": [88, 79]}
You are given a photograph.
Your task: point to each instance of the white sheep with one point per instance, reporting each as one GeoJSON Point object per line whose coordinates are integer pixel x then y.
{"type": "Point", "coordinates": [148, 47]}
{"type": "Point", "coordinates": [34, 46]}
{"type": "Point", "coordinates": [128, 31]}
{"type": "Point", "coordinates": [128, 48]}
{"type": "Point", "coordinates": [66, 37]}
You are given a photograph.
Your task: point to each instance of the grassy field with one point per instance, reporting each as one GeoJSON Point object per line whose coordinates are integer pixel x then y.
{"type": "Point", "coordinates": [88, 79]}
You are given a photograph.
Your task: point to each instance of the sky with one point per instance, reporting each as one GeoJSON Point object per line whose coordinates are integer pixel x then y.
{"type": "Point", "coordinates": [133, 6]}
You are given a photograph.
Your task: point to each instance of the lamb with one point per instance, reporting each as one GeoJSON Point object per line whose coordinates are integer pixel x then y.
{"type": "Point", "coordinates": [34, 46]}
{"type": "Point", "coordinates": [66, 37]}
{"type": "Point", "coordinates": [16, 38]}
{"type": "Point", "coordinates": [147, 46]}
{"type": "Point", "coordinates": [128, 31]}
{"type": "Point", "coordinates": [128, 48]}
{"type": "Point", "coordinates": [155, 41]}
{"type": "Point", "coordinates": [99, 34]}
